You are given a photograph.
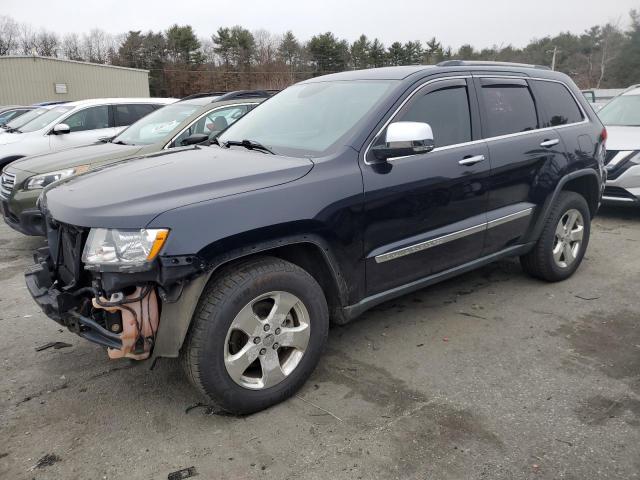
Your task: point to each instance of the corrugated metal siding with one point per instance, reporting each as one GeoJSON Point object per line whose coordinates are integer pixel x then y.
{"type": "Point", "coordinates": [26, 80]}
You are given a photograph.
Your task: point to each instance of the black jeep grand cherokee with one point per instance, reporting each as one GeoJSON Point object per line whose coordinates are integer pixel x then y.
{"type": "Point", "coordinates": [337, 194]}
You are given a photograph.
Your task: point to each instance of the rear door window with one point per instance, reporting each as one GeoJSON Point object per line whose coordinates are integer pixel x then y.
{"type": "Point", "coordinates": [126, 114]}
{"type": "Point", "coordinates": [559, 106]}
{"type": "Point", "coordinates": [508, 107]}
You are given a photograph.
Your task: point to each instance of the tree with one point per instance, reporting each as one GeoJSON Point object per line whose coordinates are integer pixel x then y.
{"type": "Point", "coordinates": [236, 46]}
{"type": "Point", "coordinates": [360, 50]}
{"type": "Point", "coordinates": [328, 53]}
{"type": "Point", "coordinates": [9, 32]}
{"type": "Point", "coordinates": [626, 69]}
{"type": "Point", "coordinates": [183, 45]}
{"type": "Point", "coordinates": [396, 54]}
{"type": "Point", "coordinates": [47, 43]}
{"type": "Point", "coordinates": [96, 46]}
{"type": "Point", "coordinates": [71, 48]}
{"type": "Point", "coordinates": [289, 49]}
{"type": "Point", "coordinates": [433, 53]}
{"type": "Point", "coordinates": [377, 54]}
{"type": "Point", "coordinates": [413, 53]}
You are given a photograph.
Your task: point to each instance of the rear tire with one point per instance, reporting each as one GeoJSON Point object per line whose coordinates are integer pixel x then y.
{"type": "Point", "coordinates": [563, 242]}
{"type": "Point", "coordinates": [257, 334]}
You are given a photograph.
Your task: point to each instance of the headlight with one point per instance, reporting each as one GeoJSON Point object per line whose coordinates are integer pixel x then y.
{"type": "Point", "coordinates": [41, 181]}
{"type": "Point", "coordinates": [122, 250]}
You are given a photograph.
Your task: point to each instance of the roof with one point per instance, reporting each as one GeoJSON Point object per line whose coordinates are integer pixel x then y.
{"type": "Point", "coordinates": [403, 72]}
{"type": "Point", "coordinates": [102, 101]}
{"type": "Point", "coordinates": [64, 60]}
{"type": "Point", "coordinates": [384, 73]}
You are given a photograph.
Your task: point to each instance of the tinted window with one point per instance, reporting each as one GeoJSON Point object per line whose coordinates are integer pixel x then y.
{"type": "Point", "coordinates": [559, 106]}
{"type": "Point", "coordinates": [91, 118]}
{"type": "Point", "coordinates": [508, 109]}
{"type": "Point", "coordinates": [446, 111]}
{"type": "Point", "coordinates": [214, 122]}
{"type": "Point", "coordinates": [128, 114]}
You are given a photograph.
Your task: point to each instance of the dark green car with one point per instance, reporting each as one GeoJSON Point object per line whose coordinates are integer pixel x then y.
{"type": "Point", "coordinates": [187, 122]}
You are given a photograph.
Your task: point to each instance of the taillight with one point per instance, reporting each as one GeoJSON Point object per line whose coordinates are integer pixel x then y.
{"type": "Point", "coordinates": [603, 135]}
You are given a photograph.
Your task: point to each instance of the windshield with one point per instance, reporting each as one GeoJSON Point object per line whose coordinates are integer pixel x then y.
{"type": "Point", "coordinates": [42, 120]}
{"type": "Point", "coordinates": [308, 119]}
{"type": "Point", "coordinates": [27, 117]}
{"type": "Point", "coordinates": [622, 111]}
{"type": "Point", "coordinates": [157, 125]}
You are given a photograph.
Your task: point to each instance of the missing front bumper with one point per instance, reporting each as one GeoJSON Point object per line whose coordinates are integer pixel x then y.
{"type": "Point", "coordinates": [135, 336]}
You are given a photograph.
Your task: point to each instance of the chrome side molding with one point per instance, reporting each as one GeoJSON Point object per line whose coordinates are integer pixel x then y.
{"type": "Point", "coordinates": [434, 242]}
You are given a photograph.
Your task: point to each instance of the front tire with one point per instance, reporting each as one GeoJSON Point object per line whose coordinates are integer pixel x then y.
{"type": "Point", "coordinates": [256, 335]}
{"type": "Point", "coordinates": [563, 242]}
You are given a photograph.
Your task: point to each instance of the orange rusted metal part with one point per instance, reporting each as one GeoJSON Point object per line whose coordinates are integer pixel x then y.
{"type": "Point", "coordinates": [137, 315]}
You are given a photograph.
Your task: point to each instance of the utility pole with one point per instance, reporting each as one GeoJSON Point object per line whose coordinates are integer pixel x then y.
{"type": "Point", "coordinates": [553, 59]}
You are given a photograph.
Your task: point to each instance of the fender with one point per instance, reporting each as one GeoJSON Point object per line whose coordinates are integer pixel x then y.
{"type": "Point", "coordinates": [7, 160]}
{"type": "Point", "coordinates": [536, 229]}
{"type": "Point", "coordinates": [176, 316]}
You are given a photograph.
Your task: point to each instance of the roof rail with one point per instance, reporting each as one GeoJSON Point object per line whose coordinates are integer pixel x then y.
{"type": "Point", "coordinates": [246, 94]}
{"type": "Point", "coordinates": [202, 94]}
{"type": "Point", "coordinates": [483, 63]}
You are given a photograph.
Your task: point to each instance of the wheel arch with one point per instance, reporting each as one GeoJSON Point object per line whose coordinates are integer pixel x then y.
{"type": "Point", "coordinates": [585, 182]}
{"type": "Point", "coordinates": [7, 160]}
{"type": "Point", "coordinates": [310, 252]}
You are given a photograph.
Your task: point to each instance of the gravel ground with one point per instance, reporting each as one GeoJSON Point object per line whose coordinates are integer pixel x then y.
{"type": "Point", "coordinates": [491, 375]}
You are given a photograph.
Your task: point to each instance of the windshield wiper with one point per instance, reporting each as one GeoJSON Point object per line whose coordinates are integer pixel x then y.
{"type": "Point", "coordinates": [249, 145]}
{"type": "Point", "coordinates": [120, 142]}
{"type": "Point", "coordinates": [13, 130]}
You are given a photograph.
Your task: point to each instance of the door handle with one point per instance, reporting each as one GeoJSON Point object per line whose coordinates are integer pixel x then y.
{"type": "Point", "coordinates": [550, 143]}
{"type": "Point", "coordinates": [471, 160]}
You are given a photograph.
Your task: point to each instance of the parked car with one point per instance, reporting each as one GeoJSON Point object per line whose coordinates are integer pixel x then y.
{"type": "Point", "coordinates": [23, 119]}
{"type": "Point", "coordinates": [188, 122]}
{"type": "Point", "coordinates": [72, 124]}
{"type": "Point", "coordinates": [337, 194]}
{"type": "Point", "coordinates": [8, 113]}
{"type": "Point", "coordinates": [599, 97]}
{"type": "Point", "coordinates": [622, 119]}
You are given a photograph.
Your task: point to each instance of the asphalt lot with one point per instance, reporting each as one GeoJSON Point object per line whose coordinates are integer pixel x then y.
{"type": "Point", "coordinates": [491, 375]}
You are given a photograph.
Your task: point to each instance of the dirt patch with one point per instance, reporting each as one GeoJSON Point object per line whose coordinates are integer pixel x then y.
{"type": "Point", "coordinates": [598, 410]}
{"type": "Point", "coordinates": [608, 341]}
{"type": "Point", "coordinates": [373, 384]}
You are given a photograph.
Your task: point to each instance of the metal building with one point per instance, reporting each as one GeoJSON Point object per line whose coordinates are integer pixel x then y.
{"type": "Point", "coordinates": [30, 79]}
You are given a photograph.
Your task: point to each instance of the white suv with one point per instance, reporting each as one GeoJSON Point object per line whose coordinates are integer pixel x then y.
{"type": "Point", "coordinates": [73, 124]}
{"type": "Point", "coordinates": [621, 116]}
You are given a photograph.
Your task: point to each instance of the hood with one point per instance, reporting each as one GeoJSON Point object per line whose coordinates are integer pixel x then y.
{"type": "Point", "coordinates": [623, 138]}
{"type": "Point", "coordinates": [131, 193]}
{"type": "Point", "coordinates": [9, 138]}
{"type": "Point", "coordinates": [89, 154]}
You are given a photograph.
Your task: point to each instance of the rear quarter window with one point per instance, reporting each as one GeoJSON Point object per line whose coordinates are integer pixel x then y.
{"type": "Point", "coordinates": [558, 105]}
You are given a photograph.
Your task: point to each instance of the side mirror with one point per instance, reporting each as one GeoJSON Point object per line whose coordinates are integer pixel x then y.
{"type": "Point", "coordinates": [61, 129]}
{"type": "Point", "coordinates": [195, 139]}
{"type": "Point", "coordinates": [404, 139]}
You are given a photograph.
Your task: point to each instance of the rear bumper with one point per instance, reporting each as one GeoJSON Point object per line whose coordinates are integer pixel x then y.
{"type": "Point", "coordinates": [64, 307]}
{"type": "Point", "coordinates": [27, 222]}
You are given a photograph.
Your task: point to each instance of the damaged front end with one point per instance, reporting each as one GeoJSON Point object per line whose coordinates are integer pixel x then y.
{"type": "Point", "coordinates": [114, 304]}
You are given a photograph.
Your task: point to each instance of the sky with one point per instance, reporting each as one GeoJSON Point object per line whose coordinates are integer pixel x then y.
{"type": "Point", "coordinates": [482, 23]}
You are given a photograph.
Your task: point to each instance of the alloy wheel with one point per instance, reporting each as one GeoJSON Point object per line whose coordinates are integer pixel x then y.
{"type": "Point", "coordinates": [568, 238]}
{"type": "Point", "coordinates": [267, 340]}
